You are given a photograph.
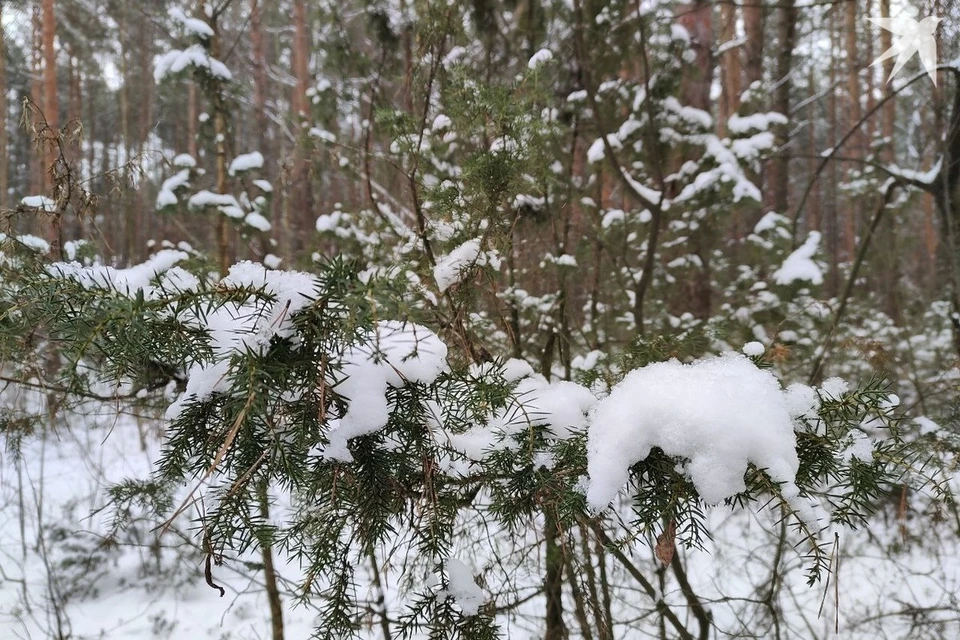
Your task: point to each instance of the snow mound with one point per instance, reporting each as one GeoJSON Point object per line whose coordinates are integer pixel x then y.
{"type": "Point", "coordinates": [462, 587]}
{"type": "Point", "coordinates": [167, 196]}
{"type": "Point", "coordinates": [176, 61]}
{"type": "Point", "coordinates": [452, 268]}
{"type": "Point", "coordinates": [799, 265]}
{"type": "Point", "coordinates": [248, 326]}
{"type": "Point", "coordinates": [127, 281]}
{"type": "Point", "coordinates": [719, 413]}
{"type": "Point", "coordinates": [560, 406]}
{"type": "Point", "coordinates": [540, 58]}
{"type": "Point", "coordinates": [393, 354]}
{"type": "Point", "coordinates": [246, 162]}
{"type": "Point", "coordinates": [39, 202]}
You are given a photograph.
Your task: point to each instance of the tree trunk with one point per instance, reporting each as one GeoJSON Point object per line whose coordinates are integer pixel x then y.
{"type": "Point", "coordinates": [51, 111]}
{"type": "Point", "coordinates": [697, 19]}
{"type": "Point", "coordinates": [4, 160]}
{"type": "Point", "coordinates": [729, 68]}
{"type": "Point", "coordinates": [192, 116]}
{"type": "Point", "coordinates": [856, 144]}
{"type": "Point", "coordinates": [300, 61]}
{"type": "Point", "coordinates": [91, 123]}
{"type": "Point", "coordinates": [303, 195]}
{"type": "Point", "coordinates": [128, 221]}
{"type": "Point", "coordinates": [754, 16]}
{"type": "Point", "coordinates": [37, 174]}
{"type": "Point", "coordinates": [259, 75]}
{"type": "Point", "coordinates": [815, 209]}
{"type": "Point", "coordinates": [147, 216]}
{"type": "Point", "coordinates": [890, 108]}
{"type": "Point", "coordinates": [270, 573]}
{"type": "Point", "coordinates": [555, 627]}
{"type": "Point", "coordinates": [831, 223]}
{"type": "Point", "coordinates": [867, 27]}
{"type": "Point", "coordinates": [779, 165]}
{"type": "Point", "coordinates": [51, 106]}
{"type": "Point", "coordinates": [73, 150]}
{"type": "Point", "coordinates": [220, 136]}
{"type": "Point", "coordinates": [887, 232]}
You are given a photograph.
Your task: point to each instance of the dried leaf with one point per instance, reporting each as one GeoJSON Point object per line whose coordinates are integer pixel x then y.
{"type": "Point", "coordinates": [666, 543]}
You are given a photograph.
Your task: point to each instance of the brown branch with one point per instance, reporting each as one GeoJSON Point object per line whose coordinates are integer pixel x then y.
{"type": "Point", "coordinates": [851, 280]}
{"type": "Point", "coordinates": [703, 616]}
{"type": "Point", "coordinates": [853, 130]}
{"type": "Point", "coordinates": [661, 606]}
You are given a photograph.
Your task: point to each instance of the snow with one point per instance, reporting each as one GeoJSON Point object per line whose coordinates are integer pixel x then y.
{"type": "Point", "coordinates": [597, 150]}
{"type": "Point", "coordinates": [263, 185]}
{"type": "Point", "coordinates": [454, 267]}
{"type": "Point", "coordinates": [236, 327]}
{"type": "Point", "coordinates": [246, 162]}
{"type": "Point", "coordinates": [923, 177]}
{"type": "Point", "coordinates": [70, 248]}
{"type": "Point", "coordinates": [272, 261]}
{"type": "Point", "coordinates": [64, 524]}
{"type": "Point", "coordinates": [39, 202]}
{"type": "Point", "coordinates": [166, 196]}
{"type": "Point", "coordinates": [770, 220]}
{"type": "Point", "coordinates": [515, 369]}
{"type": "Point", "coordinates": [540, 58]}
{"type": "Point", "coordinates": [752, 148]}
{"type": "Point", "coordinates": [128, 281]}
{"type": "Point", "coordinates": [204, 198]}
{"type": "Point", "coordinates": [191, 25]}
{"type": "Point", "coordinates": [799, 265]}
{"type": "Point", "coordinates": [612, 216]}
{"type": "Point", "coordinates": [33, 242]}
{"type": "Point", "coordinates": [233, 211]}
{"type": "Point", "coordinates": [648, 194]}
{"type": "Point", "coordinates": [322, 134]}
{"type": "Point", "coordinates": [802, 401]}
{"type": "Point", "coordinates": [329, 221]}
{"type": "Point", "coordinates": [185, 161]}
{"type": "Point", "coordinates": [926, 425]}
{"type": "Point", "coordinates": [176, 61]}
{"type": "Point", "coordinates": [860, 448]}
{"type": "Point", "coordinates": [257, 221]}
{"type": "Point", "coordinates": [727, 170]}
{"type": "Point", "coordinates": [391, 355]}
{"type": "Point", "coordinates": [691, 115]}
{"type": "Point", "coordinates": [892, 401]}
{"type": "Point", "coordinates": [719, 413]}
{"type": "Point", "coordinates": [441, 122]}
{"type": "Point", "coordinates": [679, 32]}
{"type": "Point", "coordinates": [834, 388]}
{"type": "Point", "coordinates": [738, 124]}
{"type": "Point", "coordinates": [560, 406]}
{"type": "Point", "coordinates": [753, 349]}
{"type": "Point", "coordinates": [455, 56]}
{"type": "Point", "coordinates": [589, 361]}
{"type": "Point", "coordinates": [462, 587]}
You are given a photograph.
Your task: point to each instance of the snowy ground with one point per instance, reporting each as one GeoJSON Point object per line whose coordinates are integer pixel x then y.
{"type": "Point", "coordinates": [60, 576]}
{"type": "Point", "coordinates": [52, 550]}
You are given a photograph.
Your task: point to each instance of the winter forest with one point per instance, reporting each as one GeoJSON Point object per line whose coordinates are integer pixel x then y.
{"type": "Point", "coordinates": [522, 319]}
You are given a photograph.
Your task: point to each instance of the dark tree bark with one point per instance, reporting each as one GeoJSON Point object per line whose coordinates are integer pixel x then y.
{"type": "Point", "coordinates": [779, 165]}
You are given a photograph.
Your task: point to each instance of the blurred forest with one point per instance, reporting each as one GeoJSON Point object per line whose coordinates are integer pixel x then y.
{"type": "Point", "coordinates": [302, 67]}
